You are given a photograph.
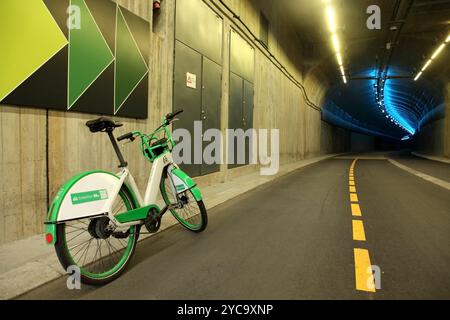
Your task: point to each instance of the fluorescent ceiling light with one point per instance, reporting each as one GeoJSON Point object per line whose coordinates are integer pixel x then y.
{"type": "Point", "coordinates": [418, 76]}
{"type": "Point", "coordinates": [426, 65]}
{"type": "Point", "coordinates": [448, 39]}
{"type": "Point", "coordinates": [436, 53]}
{"type": "Point", "coordinates": [339, 58]}
{"type": "Point", "coordinates": [332, 27]}
{"type": "Point", "coordinates": [336, 43]}
{"type": "Point", "coordinates": [331, 19]}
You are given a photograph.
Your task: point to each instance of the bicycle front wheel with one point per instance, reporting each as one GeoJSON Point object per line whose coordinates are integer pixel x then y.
{"type": "Point", "coordinates": [92, 245]}
{"type": "Point", "coordinates": [192, 214]}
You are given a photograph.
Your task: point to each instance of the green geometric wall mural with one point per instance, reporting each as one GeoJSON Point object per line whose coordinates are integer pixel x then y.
{"type": "Point", "coordinates": [37, 33]}
{"type": "Point", "coordinates": [89, 54]}
{"type": "Point", "coordinates": [131, 66]}
{"type": "Point", "coordinates": [100, 67]}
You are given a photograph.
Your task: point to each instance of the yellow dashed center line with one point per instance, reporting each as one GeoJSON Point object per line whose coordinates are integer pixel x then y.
{"type": "Point", "coordinates": [363, 267]}
{"type": "Point", "coordinates": [356, 210]}
{"type": "Point", "coordinates": [363, 271]}
{"type": "Point", "coordinates": [358, 230]}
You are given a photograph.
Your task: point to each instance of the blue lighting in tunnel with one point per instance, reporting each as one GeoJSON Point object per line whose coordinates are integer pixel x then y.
{"type": "Point", "coordinates": [389, 105]}
{"type": "Point", "coordinates": [398, 104]}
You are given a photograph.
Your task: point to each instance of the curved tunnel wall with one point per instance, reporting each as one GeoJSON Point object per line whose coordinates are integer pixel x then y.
{"type": "Point", "coordinates": [434, 135]}
{"type": "Point", "coordinates": [398, 111]}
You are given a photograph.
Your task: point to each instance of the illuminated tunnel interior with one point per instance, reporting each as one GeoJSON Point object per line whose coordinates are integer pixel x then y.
{"type": "Point", "coordinates": [389, 82]}
{"type": "Point", "coordinates": [186, 151]}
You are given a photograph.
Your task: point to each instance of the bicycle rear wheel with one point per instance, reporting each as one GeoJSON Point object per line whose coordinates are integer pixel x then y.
{"type": "Point", "coordinates": [94, 247]}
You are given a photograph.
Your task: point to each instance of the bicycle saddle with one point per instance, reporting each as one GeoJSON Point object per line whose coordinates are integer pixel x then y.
{"type": "Point", "coordinates": [102, 124]}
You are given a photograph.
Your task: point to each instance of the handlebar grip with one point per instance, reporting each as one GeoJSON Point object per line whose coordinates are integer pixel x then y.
{"type": "Point", "coordinates": [126, 136]}
{"type": "Point", "coordinates": [178, 112]}
{"type": "Point", "coordinates": [172, 115]}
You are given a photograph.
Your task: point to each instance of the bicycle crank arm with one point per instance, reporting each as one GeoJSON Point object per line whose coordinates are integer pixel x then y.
{"type": "Point", "coordinates": [167, 208]}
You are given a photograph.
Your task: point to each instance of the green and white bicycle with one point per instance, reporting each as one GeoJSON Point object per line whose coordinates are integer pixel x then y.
{"type": "Point", "coordinates": [95, 219]}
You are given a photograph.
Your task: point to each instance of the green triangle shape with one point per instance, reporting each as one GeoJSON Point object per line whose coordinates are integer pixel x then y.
{"type": "Point", "coordinates": [89, 54]}
{"type": "Point", "coordinates": [29, 37]}
{"type": "Point", "coordinates": [130, 65]}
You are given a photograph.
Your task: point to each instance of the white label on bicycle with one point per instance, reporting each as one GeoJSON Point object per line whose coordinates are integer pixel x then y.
{"type": "Point", "coordinates": [88, 197]}
{"type": "Point", "coordinates": [179, 184]}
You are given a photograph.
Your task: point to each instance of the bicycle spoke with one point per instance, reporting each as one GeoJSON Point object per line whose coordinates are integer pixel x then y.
{"type": "Point", "coordinates": [79, 234]}
{"type": "Point", "coordinates": [80, 250]}
{"type": "Point", "coordinates": [86, 253]}
{"type": "Point", "coordinates": [114, 252]}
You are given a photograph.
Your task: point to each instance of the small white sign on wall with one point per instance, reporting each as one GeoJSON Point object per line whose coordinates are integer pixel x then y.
{"type": "Point", "coordinates": [191, 80]}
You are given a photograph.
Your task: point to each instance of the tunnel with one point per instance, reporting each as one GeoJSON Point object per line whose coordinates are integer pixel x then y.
{"type": "Point", "coordinates": [237, 149]}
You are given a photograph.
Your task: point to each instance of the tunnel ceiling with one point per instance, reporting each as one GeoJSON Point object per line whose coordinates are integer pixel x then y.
{"type": "Point", "coordinates": [381, 96]}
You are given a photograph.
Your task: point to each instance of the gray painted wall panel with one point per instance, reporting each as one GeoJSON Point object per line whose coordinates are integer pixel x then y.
{"type": "Point", "coordinates": [200, 28]}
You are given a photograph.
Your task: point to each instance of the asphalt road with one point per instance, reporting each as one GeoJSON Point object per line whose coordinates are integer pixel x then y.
{"type": "Point", "coordinates": [433, 168]}
{"type": "Point", "coordinates": [293, 239]}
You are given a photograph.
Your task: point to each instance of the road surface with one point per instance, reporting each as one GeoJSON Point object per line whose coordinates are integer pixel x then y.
{"type": "Point", "coordinates": [295, 239]}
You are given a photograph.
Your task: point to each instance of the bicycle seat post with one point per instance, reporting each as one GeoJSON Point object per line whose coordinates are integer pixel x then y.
{"type": "Point", "coordinates": [123, 163]}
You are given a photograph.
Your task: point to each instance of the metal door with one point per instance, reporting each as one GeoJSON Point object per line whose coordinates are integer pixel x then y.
{"type": "Point", "coordinates": [211, 99]}
{"type": "Point", "coordinates": [247, 114]}
{"type": "Point", "coordinates": [235, 114]}
{"type": "Point", "coordinates": [188, 95]}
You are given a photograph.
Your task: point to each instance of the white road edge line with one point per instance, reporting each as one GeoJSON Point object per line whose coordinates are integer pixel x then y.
{"type": "Point", "coordinates": [438, 159]}
{"type": "Point", "coordinates": [439, 182]}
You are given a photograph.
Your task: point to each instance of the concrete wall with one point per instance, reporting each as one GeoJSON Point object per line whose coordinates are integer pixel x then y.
{"type": "Point", "coordinates": [431, 139]}
{"type": "Point", "coordinates": [334, 139]}
{"type": "Point", "coordinates": [41, 149]}
{"type": "Point", "coordinates": [434, 138]}
{"type": "Point", "coordinates": [362, 142]}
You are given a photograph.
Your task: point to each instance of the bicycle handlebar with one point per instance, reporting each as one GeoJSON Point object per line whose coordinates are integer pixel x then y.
{"type": "Point", "coordinates": [128, 135]}
{"type": "Point", "coordinates": [171, 116]}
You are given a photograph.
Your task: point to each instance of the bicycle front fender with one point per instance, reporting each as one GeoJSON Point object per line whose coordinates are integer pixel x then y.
{"type": "Point", "coordinates": [183, 182]}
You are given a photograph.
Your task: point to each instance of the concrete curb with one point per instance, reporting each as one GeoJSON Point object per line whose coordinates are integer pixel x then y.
{"type": "Point", "coordinates": [433, 158]}
{"type": "Point", "coordinates": [439, 182]}
{"type": "Point", "coordinates": [45, 268]}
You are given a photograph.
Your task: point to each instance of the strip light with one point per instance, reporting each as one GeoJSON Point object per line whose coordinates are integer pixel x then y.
{"type": "Point", "coordinates": [331, 19]}
{"type": "Point", "coordinates": [433, 57]}
{"type": "Point", "coordinates": [332, 27]}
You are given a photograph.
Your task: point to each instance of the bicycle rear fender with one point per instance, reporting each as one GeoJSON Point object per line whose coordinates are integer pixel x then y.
{"type": "Point", "coordinates": [85, 195]}
{"type": "Point", "coordinates": [183, 182]}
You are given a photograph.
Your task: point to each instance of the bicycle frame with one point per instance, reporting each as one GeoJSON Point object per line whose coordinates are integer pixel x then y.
{"type": "Point", "coordinates": [152, 190]}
